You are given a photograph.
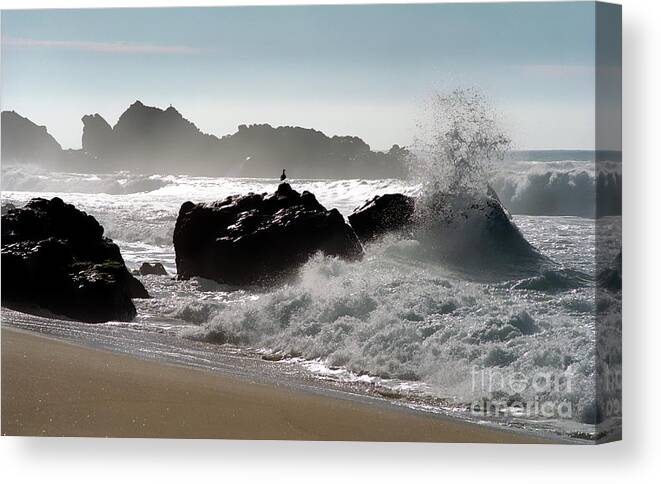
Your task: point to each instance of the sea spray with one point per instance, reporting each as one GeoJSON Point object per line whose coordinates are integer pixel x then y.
{"type": "Point", "coordinates": [457, 144]}
{"type": "Point", "coordinates": [453, 158]}
{"type": "Point", "coordinates": [459, 219]}
{"type": "Point", "coordinates": [399, 314]}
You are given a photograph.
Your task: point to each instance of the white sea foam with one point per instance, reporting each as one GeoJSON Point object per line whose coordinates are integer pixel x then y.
{"type": "Point", "coordinates": [398, 318]}
{"type": "Point", "coordinates": [144, 213]}
{"type": "Point", "coordinates": [553, 187]}
{"type": "Point", "coordinates": [394, 315]}
{"type": "Point", "coordinates": [34, 179]}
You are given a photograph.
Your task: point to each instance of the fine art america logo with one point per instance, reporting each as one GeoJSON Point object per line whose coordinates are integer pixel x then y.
{"type": "Point", "coordinates": [546, 393]}
{"type": "Point", "coordinates": [506, 392]}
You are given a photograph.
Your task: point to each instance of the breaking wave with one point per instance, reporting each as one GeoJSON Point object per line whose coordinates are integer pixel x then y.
{"type": "Point", "coordinates": [524, 187]}
{"type": "Point", "coordinates": [559, 188]}
{"type": "Point", "coordinates": [396, 314]}
{"type": "Point", "coordinates": [399, 314]}
{"type": "Point", "coordinates": [393, 316]}
{"type": "Point", "coordinates": [26, 179]}
{"type": "Point", "coordinates": [141, 209]}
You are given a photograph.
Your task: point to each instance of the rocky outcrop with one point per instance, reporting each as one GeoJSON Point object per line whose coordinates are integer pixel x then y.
{"type": "Point", "coordinates": [469, 229]}
{"type": "Point", "coordinates": [308, 153]}
{"type": "Point", "coordinates": [97, 135]}
{"type": "Point", "coordinates": [25, 141]}
{"type": "Point", "coordinates": [148, 139]}
{"type": "Point", "coordinates": [55, 260]}
{"type": "Point", "coordinates": [382, 214]}
{"type": "Point", "coordinates": [157, 140]}
{"type": "Point", "coordinates": [152, 269]}
{"type": "Point", "coordinates": [258, 238]}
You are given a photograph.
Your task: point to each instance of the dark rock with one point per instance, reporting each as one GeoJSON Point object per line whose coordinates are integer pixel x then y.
{"type": "Point", "coordinates": [491, 193]}
{"type": "Point", "coordinates": [470, 229]}
{"type": "Point", "coordinates": [382, 214]}
{"type": "Point", "coordinates": [56, 260]}
{"type": "Point", "coordinates": [247, 239]}
{"type": "Point", "coordinates": [153, 269]}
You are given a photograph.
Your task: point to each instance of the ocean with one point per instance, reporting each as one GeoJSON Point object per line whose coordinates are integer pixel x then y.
{"type": "Point", "coordinates": [513, 352]}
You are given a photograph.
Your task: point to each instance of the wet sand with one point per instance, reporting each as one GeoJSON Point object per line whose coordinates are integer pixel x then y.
{"type": "Point", "coordinates": [54, 388]}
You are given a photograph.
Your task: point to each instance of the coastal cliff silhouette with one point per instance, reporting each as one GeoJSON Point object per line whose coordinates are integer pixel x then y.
{"type": "Point", "coordinates": [153, 140]}
{"type": "Point", "coordinates": [24, 140]}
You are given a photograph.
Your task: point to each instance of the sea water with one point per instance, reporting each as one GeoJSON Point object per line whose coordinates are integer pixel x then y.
{"type": "Point", "coordinates": [409, 329]}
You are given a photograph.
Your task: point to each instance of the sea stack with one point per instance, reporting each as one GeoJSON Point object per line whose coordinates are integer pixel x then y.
{"type": "Point", "coordinates": [259, 238]}
{"type": "Point", "coordinates": [470, 229]}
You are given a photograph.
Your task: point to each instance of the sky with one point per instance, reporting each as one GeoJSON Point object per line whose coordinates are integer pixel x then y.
{"type": "Point", "coordinates": [367, 71]}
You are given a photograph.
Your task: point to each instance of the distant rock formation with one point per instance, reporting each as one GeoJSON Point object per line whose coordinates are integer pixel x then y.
{"type": "Point", "coordinates": [248, 239]}
{"type": "Point", "coordinates": [23, 140]}
{"type": "Point", "coordinates": [56, 261]}
{"type": "Point", "coordinates": [152, 140]}
{"type": "Point", "coordinates": [97, 135]}
{"type": "Point", "coordinates": [382, 214]}
{"type": "Point", "coordinates": [156, 140]}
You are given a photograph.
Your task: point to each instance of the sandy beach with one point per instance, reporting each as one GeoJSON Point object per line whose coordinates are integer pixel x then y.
{"type": "Point", "coordinates": [54, 388]}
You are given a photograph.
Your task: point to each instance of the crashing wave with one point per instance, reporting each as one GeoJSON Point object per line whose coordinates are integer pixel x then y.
{"type": "Point", "coordinates": [25, 179]}
{"type": "Point", "coordinates": [393, 316]}
{"type": "Point", "coordinates": [458, 216]}
{"type": "Point", "coordinates": [559, 188]}
{"type": "Point", "coordinates": [475, 233]}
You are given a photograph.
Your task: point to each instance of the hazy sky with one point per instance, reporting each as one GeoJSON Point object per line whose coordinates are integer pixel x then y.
{"type": "Point", "coordinates": [359, 70]}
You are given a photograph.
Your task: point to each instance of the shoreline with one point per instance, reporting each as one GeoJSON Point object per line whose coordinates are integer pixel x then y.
{"type": "Point", "coordinates": [52, 387]}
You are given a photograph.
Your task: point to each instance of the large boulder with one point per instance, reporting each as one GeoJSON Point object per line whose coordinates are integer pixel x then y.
{"type": "Point", "coordinates": [258, 238]}
{"type": "Point", "coordinates": [56, 261]}
{"type": "Point", "coordinates": [383, 213]}
{"type": "Point", "coordinates": [470, 230]}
